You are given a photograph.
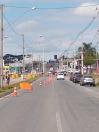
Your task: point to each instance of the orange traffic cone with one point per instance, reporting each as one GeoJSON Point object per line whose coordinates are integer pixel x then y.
{"type": "Point", "coordinates": [14, 92]}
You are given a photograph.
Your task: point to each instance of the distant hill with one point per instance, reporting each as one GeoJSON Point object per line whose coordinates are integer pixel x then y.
{"type": "Point", "coordinates": [8, 58]}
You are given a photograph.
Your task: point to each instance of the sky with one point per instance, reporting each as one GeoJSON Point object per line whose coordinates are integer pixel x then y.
{"type": "Point", "coordinates": [49, 25]}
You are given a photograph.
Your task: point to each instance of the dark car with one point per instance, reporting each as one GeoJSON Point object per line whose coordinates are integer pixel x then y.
{"type": "Point", "coordinates": [77, 78]}
{"type": "Point", "coordinates": [87, 80]}
{"type": "Point", "coordinates": [74, 76]}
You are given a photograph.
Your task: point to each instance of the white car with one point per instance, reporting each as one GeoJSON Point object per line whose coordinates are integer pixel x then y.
{"type": "Point", "coordinates": [60, 76]}
{"type": "Point", "coordinates": [87, 79]}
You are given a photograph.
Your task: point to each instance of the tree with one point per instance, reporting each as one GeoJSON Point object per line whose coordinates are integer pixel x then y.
{"type": "Point", "coordinates": [89, 53]}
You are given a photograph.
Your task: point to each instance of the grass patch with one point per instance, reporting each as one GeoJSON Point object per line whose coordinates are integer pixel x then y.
{"type": "Point", "coordinates": [97, 84]}
{"type": "Point", "coordinates": [8, 89]}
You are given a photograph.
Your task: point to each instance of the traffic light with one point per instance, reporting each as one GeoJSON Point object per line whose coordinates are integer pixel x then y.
{"type": "Point", "coordinates": [63, 57]}
{"type": "Point", "coordinates": [55, 57]}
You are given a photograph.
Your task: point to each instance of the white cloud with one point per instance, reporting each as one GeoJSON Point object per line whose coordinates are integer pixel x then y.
{"type": "Point", "coordinates": [27, 26]}
{"type": "Point", "coordinates": [59, 28]}
{"type": "Point", "coordinates": [86, 9]}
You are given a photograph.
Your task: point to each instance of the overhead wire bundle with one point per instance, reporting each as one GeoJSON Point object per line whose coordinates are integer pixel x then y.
{"type": "Point", "coordinates": [57, 8]}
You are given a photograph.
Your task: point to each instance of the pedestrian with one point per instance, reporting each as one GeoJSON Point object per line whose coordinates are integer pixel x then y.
{"type": "Point", "coordinates": [8, 79]}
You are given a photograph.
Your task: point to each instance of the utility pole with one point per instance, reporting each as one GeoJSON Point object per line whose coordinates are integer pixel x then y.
{"type": "Point", "coordinates": [39, 64]}
{"type": "Point", "coordinates": [82, 62]}
{"type": "Point", "coordinates": [32, 62]}
{"type": "Point", "coordinates": [74, 65]}
{"type": "Point", "coordinates": [1, 49]}
{"type": "Point", "coordinates": [43, 56]}
{"type": "Point", "coordinates": [97, 61]}
{"type": "Point", "coordinates": [23, 55]}
{"type": "Point", "coordinates": [43, 60]}
{"type": "Point", "coordinates": [97, 50]}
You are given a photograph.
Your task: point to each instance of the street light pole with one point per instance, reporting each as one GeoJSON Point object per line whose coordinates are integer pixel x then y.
{"type": "Point", "coordinates": [43, 60]}
{"type": "Point", "coordinates": [82, 62]}
{"type": "Point", "coordinates": [39, 64]}
{"type": "Point", "coordinates": [32, 62]}
{"type": "Point", "coordinates": [23, 55]}
{"type": "Point", "coordinates": [43, 56]}
{"type": "Point", "coordinates": [1, 49]}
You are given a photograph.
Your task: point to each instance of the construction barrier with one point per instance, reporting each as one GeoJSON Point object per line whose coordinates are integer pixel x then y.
{"type": "Point", "coordinates": [26, 86]}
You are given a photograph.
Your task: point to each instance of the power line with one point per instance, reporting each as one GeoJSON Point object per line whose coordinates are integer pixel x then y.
{"type": "Point", "coordinates": [22, 15]}
{"type": "Point", "coordinates": [94, 38]}
{"type": "Point", "coordinates": [51, 8]}
{"type": "Point", "coordinates": [62, 7]}
{"type": "Point", "coordinates": [80, 33]}
{"type": "Point", "coordinates": [22, 7]}
{"type": "Point", "coordinates": [21, 35]}
{"type": "Point", "coordinates": [11, 26]}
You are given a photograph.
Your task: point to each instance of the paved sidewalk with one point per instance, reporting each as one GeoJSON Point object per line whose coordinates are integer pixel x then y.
{"type": "Point", "coordinates": [13, 81]}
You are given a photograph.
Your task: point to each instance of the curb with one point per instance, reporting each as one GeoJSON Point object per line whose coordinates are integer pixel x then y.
{"type": "Point", "coordinates": [7, 94]}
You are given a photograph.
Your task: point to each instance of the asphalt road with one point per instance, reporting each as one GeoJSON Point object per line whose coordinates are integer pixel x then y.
{"type": "Point", "coordinates": [56, 106]}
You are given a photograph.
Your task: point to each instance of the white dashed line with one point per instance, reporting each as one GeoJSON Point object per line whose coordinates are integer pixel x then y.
{"type": "Point", "coordinates": [58, 120]}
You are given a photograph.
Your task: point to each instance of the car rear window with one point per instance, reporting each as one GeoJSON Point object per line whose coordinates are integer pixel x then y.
{"type": "Point", "coordinates": [88, 77]}
{"type": "Point", "coordinates": [60, 74]}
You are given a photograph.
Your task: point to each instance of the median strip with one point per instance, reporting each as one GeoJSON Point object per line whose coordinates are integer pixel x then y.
{"type": "Point", "coordinates": [6, 90]}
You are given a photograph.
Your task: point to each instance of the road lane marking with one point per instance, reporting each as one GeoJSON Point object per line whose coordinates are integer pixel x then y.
{"type": "Point", "coordinates": [59, 124]}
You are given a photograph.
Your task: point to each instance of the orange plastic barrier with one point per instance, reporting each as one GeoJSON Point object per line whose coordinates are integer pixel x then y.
{"type": "Point", "coordinates": [26, 86]}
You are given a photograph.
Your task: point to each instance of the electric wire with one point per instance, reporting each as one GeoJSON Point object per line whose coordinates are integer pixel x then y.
{"type": "Point", "coordinates": [62, 7]}
{"type": "Point", "coordinates": [10, 25]}
{"type": "Point", "coordinates": [79, 34]}
{"type": "Point", "coordinates": [51, 8]}
{"type": "Point", "coordinates": [21, 16]}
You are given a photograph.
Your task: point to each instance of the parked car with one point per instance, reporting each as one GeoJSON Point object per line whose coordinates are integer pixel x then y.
{"type": "Point", "coordinates": [63, 72]}
{"type": "Point", "coordinates": [87, 80]}
{"type": "Point", "coordinates": [77, 78]}
{"type": "Point", "coordinates": [60, 76]}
